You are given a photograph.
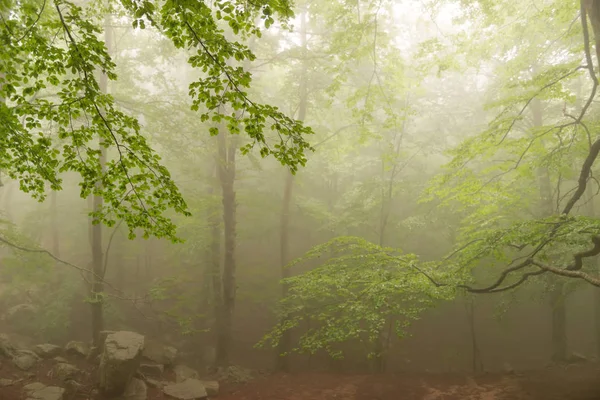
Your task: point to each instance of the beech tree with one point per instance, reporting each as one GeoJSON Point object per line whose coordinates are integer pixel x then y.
{"type": "Point", "coordinates": [51, 84]}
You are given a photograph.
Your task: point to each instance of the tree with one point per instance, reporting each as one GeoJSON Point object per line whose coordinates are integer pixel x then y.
{"type": "Point", "coordinates": [358, 290]}
{"type": "Point", "coordinates": [532, 247]}
{"type": "Point", "coordinates": [52, 82]}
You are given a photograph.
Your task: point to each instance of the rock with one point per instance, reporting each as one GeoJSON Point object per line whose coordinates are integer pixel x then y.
{"type": "Point", "coordinates": [152, 369]}
{"type": "Point", "coordinates": [72, 387]}
{"type": "Point", "coordinates": [159, 353]}
{"type": "Point", "coordinates": [183, 372]}
{"type": "Point", "coordinates": [7, 349]}
{"type": "Point", "coordinates": [32, 387]}
{"type": "Point", "coordinates": [154, 383]}
{"type": "Point", "coordinates": [7, 382]}
{"type": "Point", "coordinates": [190, 389]}
{"type": "Point", "coordinates": [29, 353]}
{"type": "Point", "coordinates": [39, 391]}
{"type": "Point", "coordinates": [120, 361]}
{"type": "Point", "coordinates": [136, 390]}
{"type": "Point", "coordinates": [61, 359]}
{"type": "Point", "coordinates": [64, 371]}
{"type": "Point", "coordinates": [25, 361]}
{"type": "Point", "coordinates": [77, 348]}
{"type": "Point", "coordinates": [47, 350]}
{"type": "Point", "coordinates": [212, 387]}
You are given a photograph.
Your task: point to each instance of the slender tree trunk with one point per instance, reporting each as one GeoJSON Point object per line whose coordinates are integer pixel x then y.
{"type": "Point", "coordinates": [96, 230]}
{"type": "Point", "coordinates": [477, 362]}
{"type": "Point", "coordinates": [594, 263]}
{"type": "Point", "coordinates": [227, 151]}
{"type": "Point", "coordinates": [556, 297]}
{"type": "Point", "coordinates": [285, 344]}
{"type": "Point", "coordinates": [213, 272]}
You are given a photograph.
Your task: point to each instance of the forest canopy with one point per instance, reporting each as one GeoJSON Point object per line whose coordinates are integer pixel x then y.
{"type": "Point", "coordinates": [444, 160]}
{"type": "Point", "coordinates": [57, 115]}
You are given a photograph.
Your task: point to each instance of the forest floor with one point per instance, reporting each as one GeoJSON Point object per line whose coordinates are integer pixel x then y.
{"type": "Point", "coordinates": [574, 382]}
{"type": "Point", "coordinates": [581, 382]}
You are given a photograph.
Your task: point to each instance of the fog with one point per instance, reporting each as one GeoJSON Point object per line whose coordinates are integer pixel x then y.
{"type": "Point", "coordinates": [330, 199]}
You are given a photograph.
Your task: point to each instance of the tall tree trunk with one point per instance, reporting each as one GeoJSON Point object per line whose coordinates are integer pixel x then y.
{"type": "Point", "coordinates": [594, 263]}
{"type": "Point", "coordinates": [557, 296]}
{"type": "Point", "coordinates": [213, 259]}
{"type": "Point", "coordinates": [477, 362]}
{"type": "Point", "coordinates": [227, 150]}
{"type": "Point", "coordinates": [97, 288]}
{"type": "Point", "coordinates": [285, 344]}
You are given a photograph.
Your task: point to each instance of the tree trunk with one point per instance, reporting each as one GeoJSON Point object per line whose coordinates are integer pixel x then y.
{"type": "Point", "coordinates": [213, 261]}
{"type": "Point", "coordinates": [227, 151]}
{"type": "Point", "coordinates": [556, 297]}
{"type": "Point", "coordinates": [594, 263]}
{"type": "Point", "coordinates": [97, 288]}
{"type": "Point", "coordinates": [285, 345]}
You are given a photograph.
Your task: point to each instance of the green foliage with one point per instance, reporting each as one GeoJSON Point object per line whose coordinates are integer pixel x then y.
{"type": "Point", "coordinates": [192, 24]}
{"type": "Point", "coordinates": [56, 107]}
{"type": "Point", "coordinates": [354, 291]}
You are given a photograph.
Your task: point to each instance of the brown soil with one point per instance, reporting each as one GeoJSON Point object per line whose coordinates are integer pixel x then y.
{"type": "Point", "coordinates": [559, 383]}
{"type": "Point", "coordinates": [580, 382]}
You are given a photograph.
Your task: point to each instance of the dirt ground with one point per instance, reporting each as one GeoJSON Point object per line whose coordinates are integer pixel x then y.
{"type": "Point", "coordinates": [558, 383]}
{"type": "Point", "coordinates": [576, 382]}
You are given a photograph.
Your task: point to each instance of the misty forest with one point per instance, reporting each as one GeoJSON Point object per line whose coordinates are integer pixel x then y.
{"type": "Point", "coordinates": [277, 200]}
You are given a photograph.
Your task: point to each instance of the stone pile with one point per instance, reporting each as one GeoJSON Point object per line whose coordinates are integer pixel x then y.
{"type": "Point", "coordinates": [128, 364]}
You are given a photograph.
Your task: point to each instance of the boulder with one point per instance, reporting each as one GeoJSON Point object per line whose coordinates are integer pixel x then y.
{"type": "Point", "coordinates": [7, 349]}
{"type": "Point", "coordinates": [64, 371]}
{"type": "Point", "coordinates": [77, 348]}
{"type": "Point", "coordinates": [152, 369]}
{"type": "Point", "coordinates": [25, 361]}
{"type": "Point", "coordinates": [183, 372]}
{"type": "Point", "coordinates": [34, 386]}
{"type": "Point", "coordinates": [61, 359]}
{"type": "Point", "coordinates": [190, 389]}
{"type": "Point", "coordinates": [159, 353]}
{"type": "Point", "coordinates": [136, 390]}
{"type": "Point", "coordinates": [120, 360]}
{"type": "Point", "coordinates": [47, 350]}
{"type": "Point", "coordinates": [39, 391]}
